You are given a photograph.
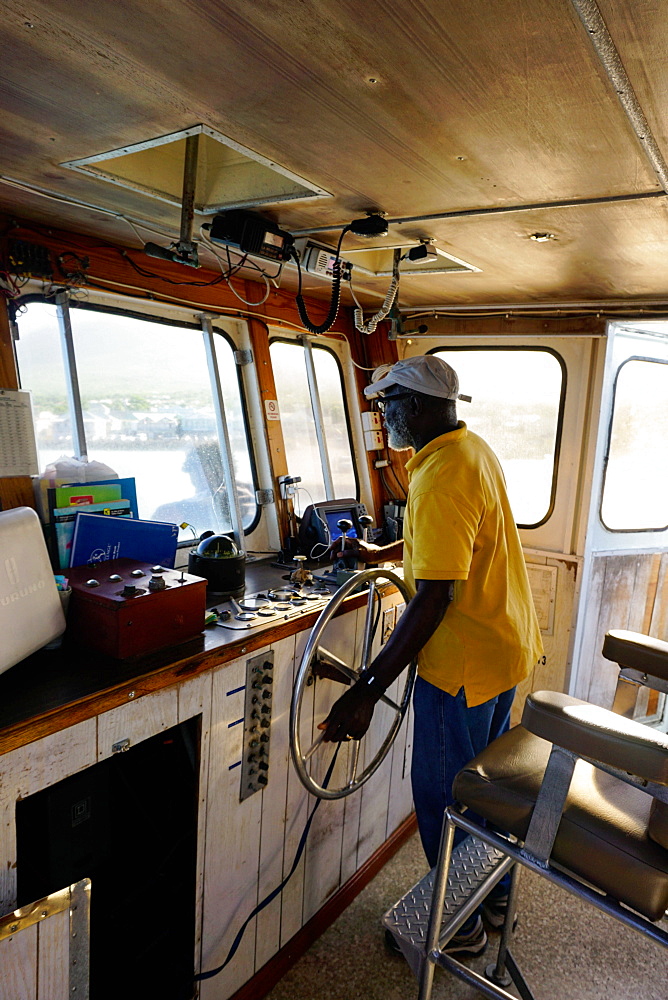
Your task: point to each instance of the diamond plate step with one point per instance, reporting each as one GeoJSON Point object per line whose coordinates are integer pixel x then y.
{"type": "Point", "coordinates": [473, 862]}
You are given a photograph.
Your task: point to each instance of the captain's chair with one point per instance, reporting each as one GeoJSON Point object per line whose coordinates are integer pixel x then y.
{"type": "Point", "coordinates": [583, 793]}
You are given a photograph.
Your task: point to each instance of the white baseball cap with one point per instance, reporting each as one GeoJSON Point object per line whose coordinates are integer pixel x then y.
{"type": "Point", "coordinates": [425, 373]}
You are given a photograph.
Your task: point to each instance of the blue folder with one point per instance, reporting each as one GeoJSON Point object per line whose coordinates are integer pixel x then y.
{"type": "Point", "coordinates": [98, 538]}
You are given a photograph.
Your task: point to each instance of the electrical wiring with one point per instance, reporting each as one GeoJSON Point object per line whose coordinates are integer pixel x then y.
{"type": "Point", "coordinates": [279, 888]}
{"type": "Point", "coordinates": [388, 489]}
{"type": "Point", "coordinates": [233, 269]}
{"type": "Point", "coordinates": [103, 283]}
{"type": "Point", "coordinates": [13, 289]}
{"type": "Point", "coordinates": [371, 324]}
{"type": "Point", "coordinates": [106, 245]}
{"type": "Point", "coordinates": [246, 261]}
{"type": "Point", "coordinates": [398, 481]}
{"type": "Point", "coordinates": [336, 292]}
{"type": "Point", "coordinates": [260, 302]}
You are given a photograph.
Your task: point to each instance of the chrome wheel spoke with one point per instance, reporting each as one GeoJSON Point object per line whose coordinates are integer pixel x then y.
{"type": "Point", "coordinates": [314, 746]}
{"type": "Point", "coordinates": [367, 641]}
{"type": "Point", "coordinates": [353, 760]}
{"type": "Point", "coordinates": [332, 660]}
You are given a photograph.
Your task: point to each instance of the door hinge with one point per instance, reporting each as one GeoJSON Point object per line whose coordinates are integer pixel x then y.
{"type": "Point", "coordinates": [264, 497]}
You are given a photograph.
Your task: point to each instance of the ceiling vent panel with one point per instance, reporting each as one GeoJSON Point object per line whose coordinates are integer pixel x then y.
{"type": "Point", "coordinates": [377, 261]}
{"type": "Point", "coordinates": [228, 174]}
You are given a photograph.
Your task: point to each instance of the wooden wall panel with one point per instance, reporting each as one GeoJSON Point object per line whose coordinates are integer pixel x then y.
{"type": "Point", "coordinates": [274, 798]}
{"type": "Point", "coordinates": [232, 841]}
{"type": "Point", "coordinates": [19, 959]}
{"type": "Point", "coordinates": [552, 674]}
{"type": "Point", "coordinates": [298, 806]}
{"type": "Point", "coordinates": [658, 626]}
{"type": "Point", "coordinates": [16, 491]}
{"type": "Point", "coordinates": [401, 797]}
{"type": "Point", "coordinates": [324, 846]}
{"type": "Point", "coordinates": [54, 957]}
{"type": "Point", "coordinates": [376, 793]}
{"type": "Point", "coordinates": [140, 719]}
{"type": "Point", "coordinates": [628, 592]}
{"type": "Point", "coordinates": [8, 375]}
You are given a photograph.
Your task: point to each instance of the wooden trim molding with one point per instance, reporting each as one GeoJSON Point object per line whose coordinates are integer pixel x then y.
{"type": "Point", "coordinates": [264, 980]}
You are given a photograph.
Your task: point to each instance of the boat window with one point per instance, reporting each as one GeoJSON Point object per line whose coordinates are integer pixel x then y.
{"type": "Point", "coordinates": [635, 487]}
{"type": "Point", "coordinates": [306, 456]}
{"type": "Point", "coordinates": [144, 407]}
{"type": "Point", "coordinates": [518, 396]}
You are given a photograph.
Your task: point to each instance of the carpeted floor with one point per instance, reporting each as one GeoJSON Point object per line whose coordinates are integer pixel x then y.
{"type": "Point", "coordinates": [566, 949]}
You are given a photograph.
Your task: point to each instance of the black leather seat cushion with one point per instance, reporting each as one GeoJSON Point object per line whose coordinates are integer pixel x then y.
{"type": "Point", "coordinates": [603, 836]}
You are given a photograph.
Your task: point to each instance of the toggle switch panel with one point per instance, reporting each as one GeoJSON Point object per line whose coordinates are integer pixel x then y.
{"type": "Point", "coordinates": [257, 724]}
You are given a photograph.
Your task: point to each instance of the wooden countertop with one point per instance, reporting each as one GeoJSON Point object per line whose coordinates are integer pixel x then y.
{"type": "Point", "coordinates": [56, 688]}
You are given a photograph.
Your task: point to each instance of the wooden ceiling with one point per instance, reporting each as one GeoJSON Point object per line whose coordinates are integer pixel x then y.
{"type": "Point", "coordinates": [418, 108]}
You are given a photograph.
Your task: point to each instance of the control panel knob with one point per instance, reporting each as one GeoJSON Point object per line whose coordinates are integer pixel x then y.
{"type": "Point", "coordinates": [129, 590]}
{"type": "Point", "coordinates": [137, 572]}
{"type": "Point", "coordinates": [345, 525]}
{"type": "Point", "coordinates": [157, 583]}
{"type": "Point", "coordinates": [345, 562]}
{"type": "Point", "coordinates": [366, 521]}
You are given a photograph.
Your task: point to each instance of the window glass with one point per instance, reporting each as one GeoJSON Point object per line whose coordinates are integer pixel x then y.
{"type": "Point", "coordinates": [147, 410]}
{"type": "Point", "coordinates": [294, 402]}
{"type": "Point", "coordinates": [43, 372]}
{"type": "Point", "coordinates": [635, 490]}
{"type": "Point", "coordinates": [516, 404]}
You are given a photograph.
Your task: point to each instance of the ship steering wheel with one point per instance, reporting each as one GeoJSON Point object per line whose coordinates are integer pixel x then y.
{"type": "Point", "coordinates": [318, 662]}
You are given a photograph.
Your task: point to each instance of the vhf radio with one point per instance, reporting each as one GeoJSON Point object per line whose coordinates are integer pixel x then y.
{"type": "Point", "coordinates": [251, 234]}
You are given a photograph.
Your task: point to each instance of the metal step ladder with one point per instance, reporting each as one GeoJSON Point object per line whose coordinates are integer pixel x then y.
{"type": "Point", "coordinates": [473, 864]}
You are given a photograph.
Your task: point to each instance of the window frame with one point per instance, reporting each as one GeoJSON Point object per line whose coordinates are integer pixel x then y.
{"type": "Point", "coordinates": [139, 314]}
{"type": "Point", "coordinates": [295, 342]}
{"type": "Point", "coordinates": [444, 348]}
{"type": "Point", "coordinates": [608, 441]}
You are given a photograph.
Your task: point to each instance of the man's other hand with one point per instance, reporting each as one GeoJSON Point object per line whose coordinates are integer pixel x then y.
{"type": "Point", "coordinates": [365, 552]}
{"type": "Point", "coordinates": [350, 715]}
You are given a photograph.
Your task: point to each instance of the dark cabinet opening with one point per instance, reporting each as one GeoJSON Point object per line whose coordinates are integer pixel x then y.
{"type": "Point", "coordinates": [129, 824]}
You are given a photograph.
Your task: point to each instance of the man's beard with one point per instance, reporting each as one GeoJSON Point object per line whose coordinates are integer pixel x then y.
{"type": "Point", "coordinates": [399, 437]}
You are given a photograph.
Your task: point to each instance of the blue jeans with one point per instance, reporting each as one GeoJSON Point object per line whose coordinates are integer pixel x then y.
{"type": "Point", "coordinates": [447, 734]}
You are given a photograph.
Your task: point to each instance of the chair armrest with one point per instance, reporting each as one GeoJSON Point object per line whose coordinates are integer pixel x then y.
{"type": "Point", "coordinates": [637, 651]}
{"type": "Point", "coordinates": [598, 734]}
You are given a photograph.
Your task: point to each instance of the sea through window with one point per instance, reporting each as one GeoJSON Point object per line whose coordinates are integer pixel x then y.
{"type": "Point", "coordinates": [312, 459]}
{"type": "Point", "coordinates": [146, 407]}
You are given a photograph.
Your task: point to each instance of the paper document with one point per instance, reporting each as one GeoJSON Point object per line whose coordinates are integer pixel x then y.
{"type": "Point", "coordinates": [18, 448]}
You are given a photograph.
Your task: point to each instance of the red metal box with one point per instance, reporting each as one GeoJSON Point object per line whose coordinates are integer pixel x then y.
{"type": "Point", "coordinates": [127, 608]}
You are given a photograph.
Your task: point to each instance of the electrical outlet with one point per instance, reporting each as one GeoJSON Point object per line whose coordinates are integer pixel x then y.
{"type": "Point", "coordinates": [373, 440]}
{"type": "Point", "coordinates": [288, 486]}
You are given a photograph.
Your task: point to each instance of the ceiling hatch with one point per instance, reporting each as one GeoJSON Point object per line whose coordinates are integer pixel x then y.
{"type": "Point", "coordinates": [377, 261]}
{"type": "Point", "coordinates": [228, 174]}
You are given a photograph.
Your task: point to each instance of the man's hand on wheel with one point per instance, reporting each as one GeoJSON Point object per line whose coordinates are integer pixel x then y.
{"type": "Point", "coordinates": [350, 716]}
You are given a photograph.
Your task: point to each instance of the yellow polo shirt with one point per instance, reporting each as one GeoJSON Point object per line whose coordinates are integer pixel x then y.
{"type": "Point", "coordinates": [459, 526]}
